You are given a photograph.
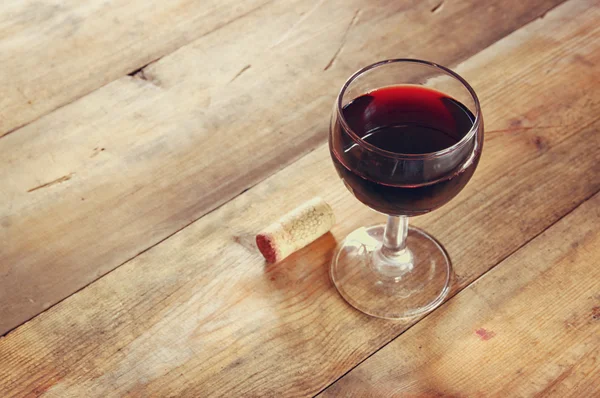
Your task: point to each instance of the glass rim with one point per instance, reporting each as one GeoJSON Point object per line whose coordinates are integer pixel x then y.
{"type": "Point", "coordinates": [367, 145]}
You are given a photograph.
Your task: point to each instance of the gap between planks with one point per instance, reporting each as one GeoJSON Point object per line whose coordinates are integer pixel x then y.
{"type": "Point", "coordinates": [138, 71]}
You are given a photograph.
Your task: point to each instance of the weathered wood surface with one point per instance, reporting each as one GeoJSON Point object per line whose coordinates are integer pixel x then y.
{"type": "Point", "coordinates": [529, 327]}
{"type": "Point", "coordinates": [95, 183]}
{"type": "Point", "coordinates": [55, 51]}
{"type": "Point", "coordinates": [200, 314]}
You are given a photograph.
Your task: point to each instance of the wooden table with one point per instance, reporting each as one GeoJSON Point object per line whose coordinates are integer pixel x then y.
{"type": "Point", "coordinates": [144, 143]}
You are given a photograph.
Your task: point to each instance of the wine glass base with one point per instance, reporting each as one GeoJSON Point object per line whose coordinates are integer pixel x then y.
{"type": "Point", "coordinates": [406, 286]}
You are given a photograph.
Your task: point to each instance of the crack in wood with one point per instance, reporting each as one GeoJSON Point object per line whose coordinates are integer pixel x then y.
{"type": "Point", "coordinates": [244, 69]}
{"type": "Point", "coordinates": [97, 151]}
{"type": "Point", "coordinates": [141, 68]}
{"type": "Point", "coordinates": [53, 182]}
{"type": "Point", "coordinates": [142, 74]}
{"type": "Point", "coordinates": [437, 7]}
{"type": "Point", "coordinates": [350, 25]}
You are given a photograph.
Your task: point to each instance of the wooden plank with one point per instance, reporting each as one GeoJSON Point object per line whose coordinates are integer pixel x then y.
{"type": "Point", "coordinates": [97, 182]}
{"type": "Point", "coordinates": [201, 314]}
{"type": "Point", "coordinates": [54, 52]}
{"type": "Point", "coordinates": [530, 327]}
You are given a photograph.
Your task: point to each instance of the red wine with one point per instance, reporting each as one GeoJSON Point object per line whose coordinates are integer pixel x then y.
{"type": "Point", "coordinates": [404, 120]}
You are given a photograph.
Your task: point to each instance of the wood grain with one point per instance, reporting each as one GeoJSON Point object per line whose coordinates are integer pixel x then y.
{"type": "Point", "coordinates": [201, 314]}
{"type": "Point", "coordinates": [95, 183]}
{"type": "Point", "coordinates": [53, 52]}
{"type": "Point", "coordinates": [529, 327]}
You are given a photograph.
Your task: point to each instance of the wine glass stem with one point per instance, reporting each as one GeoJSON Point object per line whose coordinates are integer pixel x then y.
{"type": "Point", "coordinates": [394, 259]}
{"type": "Point", "coordinates": [394, 238]}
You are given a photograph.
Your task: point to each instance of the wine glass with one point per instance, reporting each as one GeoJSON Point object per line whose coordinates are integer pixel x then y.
{"type": "Point", "coordinates": [405, 138]}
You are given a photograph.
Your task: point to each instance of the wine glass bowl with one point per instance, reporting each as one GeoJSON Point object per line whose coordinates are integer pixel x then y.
{"type": "Point", "coordinates": [405, 137]}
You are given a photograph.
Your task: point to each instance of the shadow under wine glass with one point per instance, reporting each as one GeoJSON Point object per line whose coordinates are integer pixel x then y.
{"type": "Point", "coordinates": [403, 149]}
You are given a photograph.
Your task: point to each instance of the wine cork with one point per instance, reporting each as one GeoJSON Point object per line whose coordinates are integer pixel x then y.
{"type": "Point", "coordinates": [295, 230]}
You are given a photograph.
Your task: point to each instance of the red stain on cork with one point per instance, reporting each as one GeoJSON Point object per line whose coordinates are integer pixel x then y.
{"type": "Point", "coordinates": [485, 334]}
{"type": "Point", "coordinates": [596, 313]}
{"type": "Point", "coordinates": [266, 247]}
